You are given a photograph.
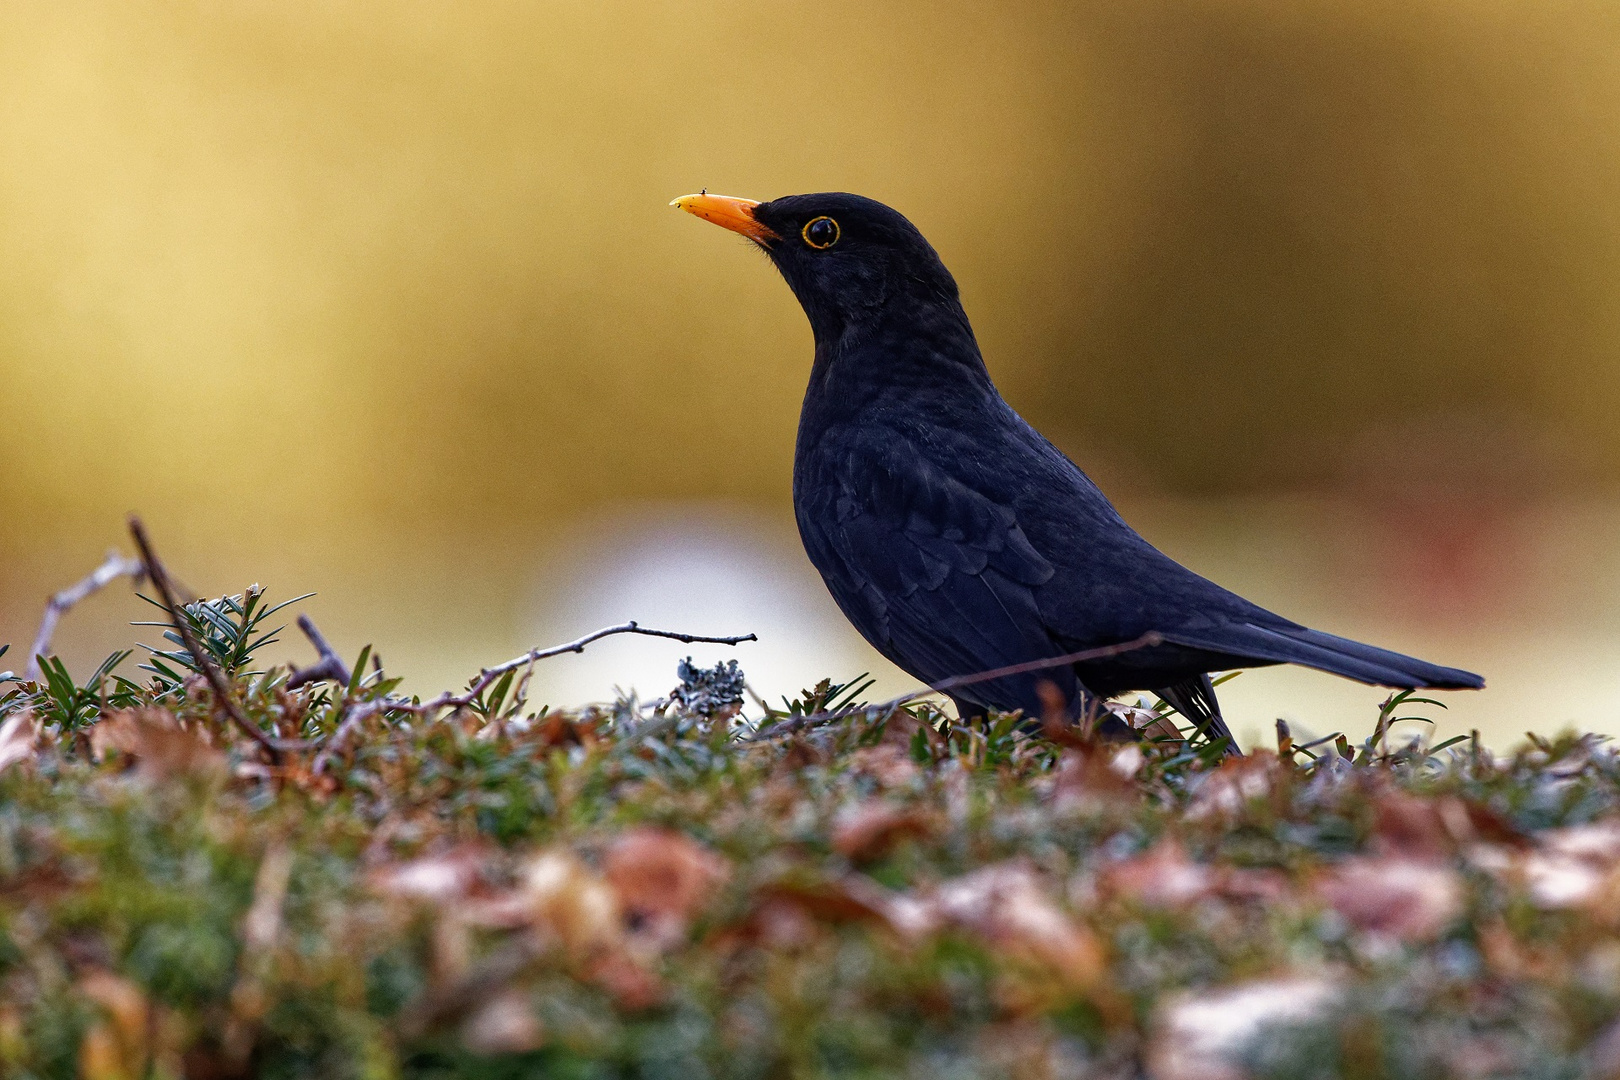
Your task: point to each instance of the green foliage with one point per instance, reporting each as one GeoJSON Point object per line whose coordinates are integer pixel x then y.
{"type": "Point", "coordinates": [648, 889]}
{"type": "Point", "coordinates": [229, 630]}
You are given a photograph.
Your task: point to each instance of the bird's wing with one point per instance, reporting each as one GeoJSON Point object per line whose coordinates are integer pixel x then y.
{"type": "Point", "coordinates": [935, 574]}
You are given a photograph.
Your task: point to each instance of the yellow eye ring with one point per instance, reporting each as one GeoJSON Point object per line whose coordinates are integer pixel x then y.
{"type": "Point", "coordinates": [821, 233]}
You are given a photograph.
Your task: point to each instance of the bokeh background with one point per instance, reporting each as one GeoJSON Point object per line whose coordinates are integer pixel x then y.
{"type": "Point", "coordinates": [384, 301]}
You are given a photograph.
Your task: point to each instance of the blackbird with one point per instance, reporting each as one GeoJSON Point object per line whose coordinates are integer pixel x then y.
{"type": "Point", "coordinates": [953, 535]}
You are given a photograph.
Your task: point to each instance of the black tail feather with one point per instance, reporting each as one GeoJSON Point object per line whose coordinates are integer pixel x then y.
{"type": "Point", "coordinates": [1326, 652]}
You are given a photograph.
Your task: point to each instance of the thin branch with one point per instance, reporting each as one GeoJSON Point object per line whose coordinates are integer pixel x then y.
{"type": "Point", "coordinates": [216, 679]}
{"type": "Point", "coordinates": [112, 568]}
{"type": "Point", "coordinates": [330, 667]}
{"type": "Point", "coordinates": [487, 676]}
{"type": "Point", "coordinates": [354, 715]}
{"type": "Point", "coordinates": [1147, 640]}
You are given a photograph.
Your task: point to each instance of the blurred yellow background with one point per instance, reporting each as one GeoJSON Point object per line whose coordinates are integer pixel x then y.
{"type": "Point", "coordinates": [384, 301]}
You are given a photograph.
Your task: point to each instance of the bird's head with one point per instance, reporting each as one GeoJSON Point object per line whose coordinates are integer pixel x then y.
{"type": "Point", "coordinates": [848, 259]}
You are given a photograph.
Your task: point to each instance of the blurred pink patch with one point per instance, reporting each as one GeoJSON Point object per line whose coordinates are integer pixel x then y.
{"type": "Point", "coordinates": [1407, 899]}
{"type": "Point", "coordinates": [870, 829]}
{"type": "Point", "coordinates": [505, 1024]}
{"type": "Point", "coordinates": [453, 874]}
{"type": "Point", "coordinates": [1005, 905]}
{"type": "Point", "coordinates": [1227, 791]}
{"type": "Point", "coordinates": [1161, 877]}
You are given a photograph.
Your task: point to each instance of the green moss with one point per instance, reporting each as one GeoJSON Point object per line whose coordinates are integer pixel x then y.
{"type": "Point", "coordinates": [265, 920]}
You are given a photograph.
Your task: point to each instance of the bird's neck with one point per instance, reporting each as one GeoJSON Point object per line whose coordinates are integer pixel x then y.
{"type": "Point", "coordinates": [926, 354]}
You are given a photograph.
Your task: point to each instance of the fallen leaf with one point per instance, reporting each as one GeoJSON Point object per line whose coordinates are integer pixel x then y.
{"type": "Point", "coordinates": [888, 763]}
{"type": "Point", "coordinates": [855, 898]}
{"type": "Point", "coordinates": [633, 986]}
{"type": "Point", "coordinates": [1087, 781]}
{"type": "Point", "coordinates": [870, 829]}
{"type": "Point", "coordinates": [562, 729]}
{"type": "Point", "coordinates": [1161, 877]}
{"type": "Point", "coordinates": [573, 904]}
{"type": "Point", "coordinates": [1411, 828]}
{"type": "Point", "coordinates": [1004, 904]}
{"type": "Point", "coordinates": [1555, 880]}
{"type": "Point", "coordinates": [1573, 867]}
{"type": "Point", "coordinates": [1226, 792]}
{"type": "Point", "coordinates": [1408, 899]}
{"type": "Point", "coordinates": [1128, 761]}
{"type": "Point", "coordinates": [155, 741]}
{"type": "Point", "coordinates": [1149, 723]}
{"type": "Point", "coordinates": [1597, 844]}
{"type": "Point", "coordinates": [662, 879]}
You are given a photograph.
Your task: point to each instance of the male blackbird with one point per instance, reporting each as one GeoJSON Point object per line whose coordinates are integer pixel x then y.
{"type": "Point", "coordinates": [953, 535]}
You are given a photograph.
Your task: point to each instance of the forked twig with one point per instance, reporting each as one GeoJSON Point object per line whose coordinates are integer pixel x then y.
{"type": "Point", "coordinates": [330, 667]}
{"type": "Point", "coordinates": [216, 679]}
{"type": "Point", "coordinates": [354, 715]}
{"type": "Point", "coordinates": [112, 568]}
{"type": "Point", "coordinates": [487, 676]}
{"type": "Point", "coordinates": [786, 727]}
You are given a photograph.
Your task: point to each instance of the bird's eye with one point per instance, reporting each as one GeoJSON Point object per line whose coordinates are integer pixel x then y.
{"type": "Point", "coordinates": [821, 233]}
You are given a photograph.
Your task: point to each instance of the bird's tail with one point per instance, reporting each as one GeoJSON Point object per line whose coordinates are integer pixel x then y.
{"type": "Point", "coordinates": [1195, 700]}
{"type": "Point", "coordinates": [1290, 644]}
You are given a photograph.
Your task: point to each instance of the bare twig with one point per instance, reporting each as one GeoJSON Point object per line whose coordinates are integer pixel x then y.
{"type": "Point", "coordinates": [112, 568]}
{"type": "Point", "coordinates": [330, 667]}
{"type": "Point", "coordinates": [216, 679]}
{"type": "Point", "coordinates": [487, 676]}
{"type": "Point", "coordinates": [354, 715]}
{"type": "Point", "coordinates": [797, 723]}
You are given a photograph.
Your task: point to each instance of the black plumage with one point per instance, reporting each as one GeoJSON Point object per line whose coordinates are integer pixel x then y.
{"type": "Point", "coordinates": [952, 534]}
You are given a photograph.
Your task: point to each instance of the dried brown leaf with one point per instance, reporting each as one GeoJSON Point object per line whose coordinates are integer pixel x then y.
{"type": "Point", "coordinates": [1088, 781]}
{"type": "Point", "coordinates": [888, 763]}
{"type": "Point", "coordinates": [662, 879]}
{"type": "Point", "coordinates": [1408, 827]}
{"type": "Point", "coordinates": [160, 747]}
{"type": "Point", "coordinates": [571, 903]}
{"type": "Point", "coordinates": [870, 829]}
{"type": "Point", "coordinates": [1005, 906]}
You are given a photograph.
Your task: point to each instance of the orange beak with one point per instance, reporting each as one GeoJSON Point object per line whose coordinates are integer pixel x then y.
{"type": "Point", "coordinates": [728, 213]}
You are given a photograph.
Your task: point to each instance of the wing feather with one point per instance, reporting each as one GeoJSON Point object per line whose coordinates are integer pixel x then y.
{"type": "Point", "coordinates": [908, 551]}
